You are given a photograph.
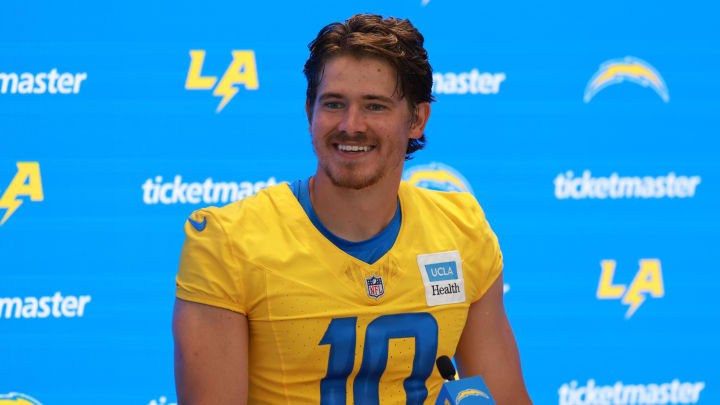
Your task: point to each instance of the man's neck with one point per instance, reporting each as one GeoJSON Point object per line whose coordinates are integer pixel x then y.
{"type": "Point", "coordinates": [354, 215]}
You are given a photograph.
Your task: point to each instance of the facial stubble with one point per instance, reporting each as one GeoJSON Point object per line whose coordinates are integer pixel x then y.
{"type": "Point", "coordinates": [351, 178]}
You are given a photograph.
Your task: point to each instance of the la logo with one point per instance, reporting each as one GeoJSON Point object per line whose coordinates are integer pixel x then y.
{"type": "Point", "coordinates": [25, 183]}
{"type": "Point", "coordinates": [648, 280]}
{"type": "Point", "coordinates": [242, 70]}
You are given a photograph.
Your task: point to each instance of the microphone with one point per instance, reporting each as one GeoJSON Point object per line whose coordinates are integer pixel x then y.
{"type": "Point", "coordinates": [466, 391]}
{"type": "Point", "coordinates": [446, 368]}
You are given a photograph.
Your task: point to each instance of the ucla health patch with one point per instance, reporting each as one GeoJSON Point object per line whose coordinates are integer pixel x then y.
{"type": "Point", "coordinates": [443, 278]}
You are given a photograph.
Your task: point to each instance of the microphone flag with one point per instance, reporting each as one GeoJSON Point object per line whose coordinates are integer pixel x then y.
{"type": "Point", "coordinates": [466, 391]}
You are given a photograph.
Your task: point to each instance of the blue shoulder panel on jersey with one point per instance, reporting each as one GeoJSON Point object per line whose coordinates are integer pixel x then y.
{"type": "Point", "coordinates": [369, 250]}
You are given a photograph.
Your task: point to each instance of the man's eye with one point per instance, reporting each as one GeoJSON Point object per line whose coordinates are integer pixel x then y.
{"type": "Point", "coordinates": [377, 107]}
{"type": "Point", "coordinates": [333, 105]}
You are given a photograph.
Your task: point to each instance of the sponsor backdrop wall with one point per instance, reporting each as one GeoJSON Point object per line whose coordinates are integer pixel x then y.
{"type": "Point", "coordinates": [587, 131]}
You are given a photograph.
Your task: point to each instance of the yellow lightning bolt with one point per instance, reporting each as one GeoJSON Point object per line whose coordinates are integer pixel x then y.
{"type": "Point", "coordinates": [634, 69]}
{"type": "Point", "coordinates": [647, 280]}
{"type": "Point", "coordinates": [439, 176]}
{"type": "Point", "coordinates": [470, 392]}
{"type": "Point", "coordinates": [16, 401]}
{"type": "Point", "coordinates": [14, 398]}
{"type": "Point", "coordinates": [26, 182]}
{"type": "Point", "coordinates": [241, 70]}
{"type": "Point", "coordinates": [10, 203]}
{"type": "Point", "coordinates": [227, 91]}
{"type": "Point", "coordinates": [633, 298]}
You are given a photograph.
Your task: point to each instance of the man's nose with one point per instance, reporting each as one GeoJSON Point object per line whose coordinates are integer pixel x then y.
{"type": "Point", "coordinates": [353, 120]}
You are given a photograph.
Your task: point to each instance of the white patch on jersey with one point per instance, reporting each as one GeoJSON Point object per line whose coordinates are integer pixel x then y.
{"type": "Point", "coordinates": [443, 278]}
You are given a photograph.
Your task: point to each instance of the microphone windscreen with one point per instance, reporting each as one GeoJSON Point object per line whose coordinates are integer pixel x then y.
{"type": "Point", "coordinates": [445, 367]}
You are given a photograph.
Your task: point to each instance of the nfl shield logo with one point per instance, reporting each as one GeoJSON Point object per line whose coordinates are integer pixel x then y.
{"type": "Point", "coordinates": [375, 287]}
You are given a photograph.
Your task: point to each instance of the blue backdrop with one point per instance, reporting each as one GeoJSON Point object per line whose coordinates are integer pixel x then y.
{"type": "Point", "coordinates": [587, 131]}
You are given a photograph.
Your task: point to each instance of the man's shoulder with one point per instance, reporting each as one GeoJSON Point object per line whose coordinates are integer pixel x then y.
{"type": "Point", "coordinates": [263, 229]}
{"type": "Point", "coordinates": [456, 204]}
{"type": "Point", "coordinates": [251, 212]}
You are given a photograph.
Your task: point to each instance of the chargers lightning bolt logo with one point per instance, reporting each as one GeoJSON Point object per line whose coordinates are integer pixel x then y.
{"type": "Point", "coordinates": [470, 393]}
{"type": "Point", "coordinates": [629, 68]}
{"type": "Point", "coordinates": [15, 398]}
{"type": "Point", "coordinates": [437, 176]}
{"type": "Point", "coordinates": [242, 70]}
{"type": "Point", "coordinates": [648, 280]}
{"type": "Point", "coordinates": [25, 183]}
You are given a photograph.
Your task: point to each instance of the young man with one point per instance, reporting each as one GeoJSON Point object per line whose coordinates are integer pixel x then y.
{"type": "Point", "coordinates": [346, 287]}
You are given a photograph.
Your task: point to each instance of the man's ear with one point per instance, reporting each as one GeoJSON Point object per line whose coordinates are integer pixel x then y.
{"type": "Point", "coordinates": [417, 125]}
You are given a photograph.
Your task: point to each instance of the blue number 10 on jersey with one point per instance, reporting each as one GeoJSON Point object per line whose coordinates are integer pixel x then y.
{"type": "Point", "coordinates": [341, 336]}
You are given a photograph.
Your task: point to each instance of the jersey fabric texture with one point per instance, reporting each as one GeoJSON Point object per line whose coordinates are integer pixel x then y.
{"type": "Point", "coordinates": [369, 250]}
{"type": "Point", "coordinates": [325, 327]}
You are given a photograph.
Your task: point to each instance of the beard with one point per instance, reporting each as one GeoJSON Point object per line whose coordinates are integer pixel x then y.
{"type": "Point", "coordinates": [352, 174]}
{"type": "Point", "coordinates": [346, 177]}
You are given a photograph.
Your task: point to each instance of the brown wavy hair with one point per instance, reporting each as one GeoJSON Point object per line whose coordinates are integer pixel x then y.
{"type": "Point", "coordinates": [394, 40]}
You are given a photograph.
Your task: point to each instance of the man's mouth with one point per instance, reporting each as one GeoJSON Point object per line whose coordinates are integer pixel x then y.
{"type": "Point", "coordinates": [353, 148]}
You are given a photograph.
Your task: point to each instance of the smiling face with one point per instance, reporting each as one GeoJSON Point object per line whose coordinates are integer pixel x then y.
{"type": "Point", "coordinates": [360, 126]}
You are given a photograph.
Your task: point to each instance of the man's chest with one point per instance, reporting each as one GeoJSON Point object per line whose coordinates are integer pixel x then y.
{"type": "Point", "coordinates": [367, 327]}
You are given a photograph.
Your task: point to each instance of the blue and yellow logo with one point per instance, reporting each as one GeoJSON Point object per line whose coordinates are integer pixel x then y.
{"type": "Point", "coordinates": [15, 398]}
{"type": "Point", "coordinates": [25, 183]}
{"type": "Point", "coordinates": [629, 68]}
{"type": "Point", "coordinates": [437, 176]}
{"type": "Point", "coordinates": [648, 280]}
{"type": "Point", "coordinates": [470, 393]}
{"type": "Point", "coordinates": [242, 70]}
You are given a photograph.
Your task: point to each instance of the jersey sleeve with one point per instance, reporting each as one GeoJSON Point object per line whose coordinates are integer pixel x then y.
{"type": "Point", "coordinates": [485, 261]}
{"type": "Point", "coordinates": [209, 273]}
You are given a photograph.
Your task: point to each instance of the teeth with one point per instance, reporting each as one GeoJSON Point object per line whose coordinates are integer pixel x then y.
{"type": "Point", "coordinates": [354, 148]}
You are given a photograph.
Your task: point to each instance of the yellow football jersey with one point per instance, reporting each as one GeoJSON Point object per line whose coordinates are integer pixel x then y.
{"type": "Point", "coordinates": [325, 327]}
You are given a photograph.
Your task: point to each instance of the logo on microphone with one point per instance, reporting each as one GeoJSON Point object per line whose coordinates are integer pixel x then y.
{"type": "Point", "coordinates": [470, 392]}
{"type": "Point", "coordinates": [443, 278]}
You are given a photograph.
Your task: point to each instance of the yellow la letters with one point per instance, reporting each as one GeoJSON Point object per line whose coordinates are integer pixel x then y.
{"type": "Point", "coordinates": [242, 70]}
{"type": "Point", "coordinates": [648, 280]}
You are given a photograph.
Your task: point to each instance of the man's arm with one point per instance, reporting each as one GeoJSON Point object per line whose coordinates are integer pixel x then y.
{"type": "Point", "coordinates": [211, 355]}
{"type": "Point", "coordinates": [487, 348]}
